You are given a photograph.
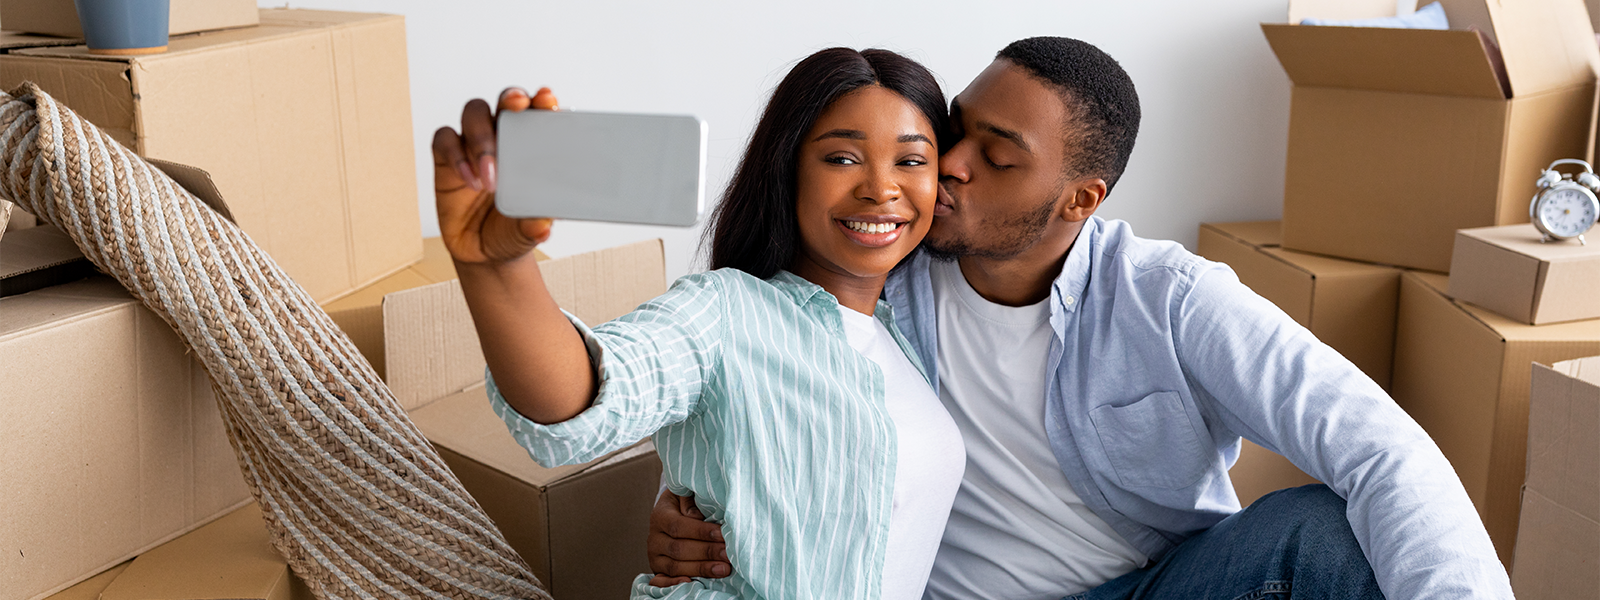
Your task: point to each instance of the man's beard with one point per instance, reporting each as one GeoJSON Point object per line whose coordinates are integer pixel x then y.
{"type": "Point", "coordinates": [1012, 235]}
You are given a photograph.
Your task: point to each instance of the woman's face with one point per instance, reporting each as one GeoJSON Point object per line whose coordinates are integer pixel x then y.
{"type": "Point", "coordinates": [867, 184]}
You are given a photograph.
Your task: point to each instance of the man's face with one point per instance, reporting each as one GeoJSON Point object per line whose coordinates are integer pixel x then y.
{"type": "Point", "coordinates": [1003, 180]}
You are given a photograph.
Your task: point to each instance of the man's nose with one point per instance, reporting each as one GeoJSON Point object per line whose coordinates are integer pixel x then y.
{"type": "Point", "coordinates": [953, 165]}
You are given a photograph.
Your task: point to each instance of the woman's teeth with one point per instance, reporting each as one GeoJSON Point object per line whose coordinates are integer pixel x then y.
{"type": "Point", "coordinates": [871, 227]}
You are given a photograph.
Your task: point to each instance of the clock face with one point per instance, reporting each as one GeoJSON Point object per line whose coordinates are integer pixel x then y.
{"type": "Point", "coordinates": [1566, 212]}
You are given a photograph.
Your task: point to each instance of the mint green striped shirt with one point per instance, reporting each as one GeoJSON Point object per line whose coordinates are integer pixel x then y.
{"type": "Point", "coordinates": [763, 411]}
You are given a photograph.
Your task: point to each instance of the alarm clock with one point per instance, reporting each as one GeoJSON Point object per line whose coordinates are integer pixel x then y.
{"type": "Point", "coordinates": [1565, 207]}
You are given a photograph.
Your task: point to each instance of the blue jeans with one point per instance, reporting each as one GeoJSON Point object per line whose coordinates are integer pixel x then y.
{"type": "Point", "coordinates": [1293, 543]}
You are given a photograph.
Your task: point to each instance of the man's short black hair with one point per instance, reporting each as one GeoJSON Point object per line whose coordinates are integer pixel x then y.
{"type": "Point", "coordinates": [1099, 97]}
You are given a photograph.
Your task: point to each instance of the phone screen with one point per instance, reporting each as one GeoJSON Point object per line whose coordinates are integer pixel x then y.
{"type": "Point", "coordinates": [622, 168]}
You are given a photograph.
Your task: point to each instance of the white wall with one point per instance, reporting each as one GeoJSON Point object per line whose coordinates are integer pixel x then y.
{"type": "Point", "coordinates": [1215, 100]}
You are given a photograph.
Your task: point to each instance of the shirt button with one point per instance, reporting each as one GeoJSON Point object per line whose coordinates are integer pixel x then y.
{"type": "Point", "coordinates": [1069, 300]}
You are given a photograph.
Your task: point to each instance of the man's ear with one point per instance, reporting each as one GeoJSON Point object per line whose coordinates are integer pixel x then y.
{"type": "Point", "coordinates": [1085, 196]}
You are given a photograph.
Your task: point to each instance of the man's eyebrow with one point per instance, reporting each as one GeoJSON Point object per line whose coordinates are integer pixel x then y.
{"type": "Point", "coordinates": [1008, 134]}
{"type": "Point", "coordinates": [849, 134]}
{"type": "Point", "coordinates": [914, 137]}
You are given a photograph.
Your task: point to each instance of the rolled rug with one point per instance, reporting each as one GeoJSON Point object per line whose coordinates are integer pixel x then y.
{"type": "Point", "coordinates": [355, 498]}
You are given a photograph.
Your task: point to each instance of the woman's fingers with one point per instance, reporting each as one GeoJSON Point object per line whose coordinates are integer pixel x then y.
{"type": "Point", "coordinates": [450, 168]}
{"type": "Point", "coordinates": [514, 99]}
{"type": "Point", "coordinates": [477, 139]}
{"type": "Point", "coordinates": [544, 99]}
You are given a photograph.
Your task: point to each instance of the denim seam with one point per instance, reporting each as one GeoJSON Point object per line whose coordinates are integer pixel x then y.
{"type": "Point", "coordinates": [1272, 588]}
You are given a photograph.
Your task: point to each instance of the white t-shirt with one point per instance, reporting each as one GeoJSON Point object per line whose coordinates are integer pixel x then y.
{"type": "Point", "coordinates": [928, 465]}
{"type": "Point", "coordinates": [1017, 529]}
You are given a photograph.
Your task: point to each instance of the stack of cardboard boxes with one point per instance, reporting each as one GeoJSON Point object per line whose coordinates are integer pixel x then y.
{"type": "Point", "coordinates": [1408, 147]}
{"type": "Point", "coordinates": [119, 480]}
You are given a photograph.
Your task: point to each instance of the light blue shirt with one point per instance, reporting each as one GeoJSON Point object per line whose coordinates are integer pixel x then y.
{"type": "Point", "coordinates": [1162, 360]}
{"type": "Point", "coordinates": [762, 410]}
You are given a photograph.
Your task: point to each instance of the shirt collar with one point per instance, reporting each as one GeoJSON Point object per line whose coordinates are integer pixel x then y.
{"type": "Point", "coordinates": [806, 293]}
{"type": "Point", "coordinates": [1070, 285]}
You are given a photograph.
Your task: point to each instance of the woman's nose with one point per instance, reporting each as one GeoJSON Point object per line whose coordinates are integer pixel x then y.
{"type": "Point", "coordinates": [879, 186]}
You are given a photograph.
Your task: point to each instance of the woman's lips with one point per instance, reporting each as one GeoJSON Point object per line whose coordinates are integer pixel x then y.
{"type": "Point", "coordinates": [871, 234]}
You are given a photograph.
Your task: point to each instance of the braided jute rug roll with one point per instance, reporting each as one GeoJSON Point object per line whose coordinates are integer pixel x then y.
{"type": "Point", "coordinates": [355, 498]}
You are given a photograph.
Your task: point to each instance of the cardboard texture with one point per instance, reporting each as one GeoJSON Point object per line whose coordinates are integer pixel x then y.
{"type": "Point", "coordinates": [39, 257]}
{"type": "Point", "coordinates": [1510, 271]}
{"type": "Point", "coordinates": [580, 527]}
{"type": "Point", "coordinates": [231, 558]}
{"type": "Point", "coordinates": [304, 123]}
{"type": "Point", "coordinates": [1463, 373]}
{"type": "Point", "coordinates": [90, 588]}
{"type": "Point", "coordinates": [1350, 306]}
{"type": "Point", "coordinates": [60, 17]}
{"type": "Point", "coordinates": [360, 314]}
{"type": "Point", "coordinates": [112, 438]}
{"type": "Point", "coordinates": [1399, 137]}
{"type": "Point", "coordinates": [1558, 542]}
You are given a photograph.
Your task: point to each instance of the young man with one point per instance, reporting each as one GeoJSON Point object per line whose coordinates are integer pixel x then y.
{"type": "Point", "coordinates": [1102, 382]}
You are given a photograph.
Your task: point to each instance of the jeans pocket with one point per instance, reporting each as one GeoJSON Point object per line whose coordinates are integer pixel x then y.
{"type": "Point", "coordinates": [1154, 442]}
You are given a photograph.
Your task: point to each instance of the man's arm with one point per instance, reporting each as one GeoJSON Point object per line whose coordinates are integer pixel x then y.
{"type": "Point", "coordinates": [682, 544]}
{"type": "Point", "coordinates": [1271, 381]}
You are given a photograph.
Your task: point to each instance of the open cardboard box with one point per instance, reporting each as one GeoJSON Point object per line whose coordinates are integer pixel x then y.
{"type": "Point", "coordinates": [580, 527]}
{"type": "Point", "coordinates": [304, 122]}
{"type": "Point", "coordinates": [1463, 373]}
{"type": "Point", "coordinates": [60, 17]}
{"type": "Point", "coordinates": [1510, 271]}
{"type": "Point", "coordinates": [1558, 542]}
{"type": "Point", "coordinates": [1399, 137]}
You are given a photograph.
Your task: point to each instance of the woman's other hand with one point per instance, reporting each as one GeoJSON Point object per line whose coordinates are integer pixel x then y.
{"type": "Point", "coordinates": [464, 184]}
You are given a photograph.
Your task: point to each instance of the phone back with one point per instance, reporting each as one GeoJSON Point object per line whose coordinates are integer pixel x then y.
{"type": "Point", "coordinates": [623, 168]}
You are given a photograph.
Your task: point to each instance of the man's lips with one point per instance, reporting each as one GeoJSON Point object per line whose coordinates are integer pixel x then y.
{"type": "Point", "coordinates": [944, 204]}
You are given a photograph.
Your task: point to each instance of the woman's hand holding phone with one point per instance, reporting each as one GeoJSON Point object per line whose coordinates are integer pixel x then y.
{"type": "Point", "coordinates": [464, 185]}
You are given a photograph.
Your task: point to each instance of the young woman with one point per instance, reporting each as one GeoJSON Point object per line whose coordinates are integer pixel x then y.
{"type": "Point", "coordinates": [779, 392]}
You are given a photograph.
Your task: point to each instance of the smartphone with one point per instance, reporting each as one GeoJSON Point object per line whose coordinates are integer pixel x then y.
{"type": "Point", "coordinates": [591, 166]}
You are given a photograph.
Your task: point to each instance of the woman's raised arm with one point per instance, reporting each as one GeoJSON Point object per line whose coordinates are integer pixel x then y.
{"type": "Point", "coordinates": [537, 357]}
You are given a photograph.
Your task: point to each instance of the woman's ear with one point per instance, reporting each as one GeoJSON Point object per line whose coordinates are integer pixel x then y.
{"type": "Point", "coordinates": [1085, 196]}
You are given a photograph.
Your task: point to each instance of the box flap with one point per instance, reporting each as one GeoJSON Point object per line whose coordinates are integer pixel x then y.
{"type": "Point", "coordinates": [1546, 44]}
{"type": "Point", "coordinates": [1256, 233]}
{"type": "Point", "coordinates": [230, 558]}
{"type": "Point", "coordinates": [1583, 369]}
{"type": "Point", "coordinates": [1339, 9]}
{"type": "Point", "coordinates": [431, 348]}
{"type": "Point", "coordinates": [467, 425]}
{"type": "Point", "coordinates": [1398, 60]}
{"type": "Point", "coordinates": [39, 257]}
{"type": "Point", "coordinates": [90, 588]}
{"type": "Point", "coordinates": [17, 39]}
{"type": "Point", "coordinates": [1564, 435]}
{"type": "Point", "coordinates": [198, 182]}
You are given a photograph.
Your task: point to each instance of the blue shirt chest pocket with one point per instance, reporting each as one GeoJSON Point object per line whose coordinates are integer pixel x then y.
{"type": "Point", "coordinates": [1154, 442]}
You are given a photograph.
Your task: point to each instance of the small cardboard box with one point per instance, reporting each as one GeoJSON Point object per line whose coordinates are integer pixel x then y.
{"type": "Point", "coordinates": [1558, 542]}
{"type": "Point", "coordinates": [1349, 305]}
{"type": "Point", "coordinates": [304, 123]}
{"type": "Point", "coordinates": [1510, 271]}
{"type": "Point", "coordinates": [230, 558]}
{"type": "Point", "coordinates": [1399, 137]}
{"type": "Point", "coordinates": [112, 437]}
{"type": "Point", "coordinates": [360, 314]}
{"type": "Point", "coordinates": [60, 17]}
{"type": "Point", "coordinates": [581, 527]}
{"type": "Point", "coordinates": [1463, 373]}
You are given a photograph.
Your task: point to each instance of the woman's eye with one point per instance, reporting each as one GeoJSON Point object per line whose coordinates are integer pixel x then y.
{"type": "Point", "coordinates": [913, 162]}
{"type": "Point", "coordinates": [841, 160]}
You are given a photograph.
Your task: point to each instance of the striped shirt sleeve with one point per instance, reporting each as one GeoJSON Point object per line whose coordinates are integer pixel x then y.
{"type": "Point", "coordinates": [652, 363]}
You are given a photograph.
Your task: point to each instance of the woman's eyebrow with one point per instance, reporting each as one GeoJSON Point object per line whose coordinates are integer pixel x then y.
{"type": "Point", "coordinates": [849, 134]}
{"type": "Point", "coordinates": [914, 137]}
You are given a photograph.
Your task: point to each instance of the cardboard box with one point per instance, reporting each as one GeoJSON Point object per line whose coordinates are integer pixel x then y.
{"type": "Point", "coordinates": [1399, 137]}
{"type": "Point", "coordinates": [112, 438]}
{"type": "Point", "coordinates": [231, 558]}
{"type": "Point", "coordinates": [60, 17]}
{"type": "Point", "coordinates": [360, 314]}
{"type": "Point", "coordinates": [1558, 542]}
{"type": "Point", "coordinates": [582, 527]}
{"type": "Point", "coordinates": [1463, 373]}
{"type": "Point", "coordinates": [1349, 305]}
{"type": "Point", "coordinates": [304, 123]}
{"type": "Point", "coordinates": [1508, 270]}
{"type": "Point", "coordinates": [39, 257]}
{"type": "Point", "coordinates": [1260, 471]}
{"type": "Point", "coordinates": [90, 588]}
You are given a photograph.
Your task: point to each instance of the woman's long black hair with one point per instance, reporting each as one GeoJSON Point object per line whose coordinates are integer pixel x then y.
{"type": "Point", "coordinates": [754, 228]}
